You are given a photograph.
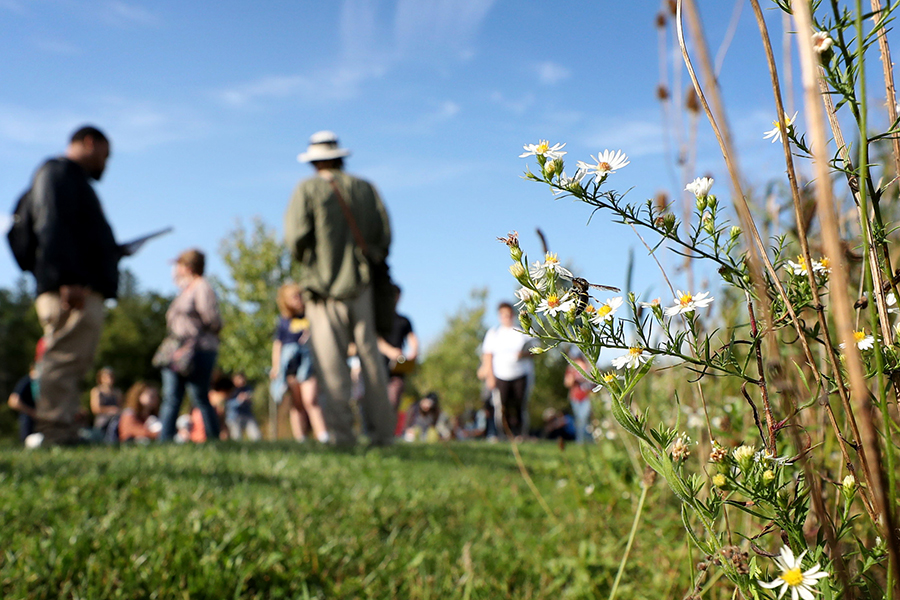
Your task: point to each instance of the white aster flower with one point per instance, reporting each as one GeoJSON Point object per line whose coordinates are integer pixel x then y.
{"type": "Point", "coordinates": [822, 42]}
{"type": "Point", "coordinates": [822, 266]}
{"type": "Point", "coordinates": [524, 294]}
{"type": "Point", "coordinates": [685, 302]}
{"type": "Point", "coordinates": [605, 311]}
{"type": "Point", "coordinates": [801, 583]}
{"type": "Point", "coordinates": [632, 359]}
{"type": "Point", "coordinates": [775, 133]}
{"type": "Point", "coordinates": [891, 301]}
{"type": "Point", "coordinates": [539, 271]}
{"type": "Point", "coordinates": [863, 341]}
{"type": "Point", "coordinates": [553, 304]}
{"type": "Point", "coordinates": [544, 149]}
{"type": "Point", "coordinates": [766, 458]}
{"type": "Point", "coordinates": [799, 267]}
{"type": "Point", "coordinates": [607, 162]}
{"type": "Point", "coordinates": [567, 183]}
{"type": "Point", "coordinates": [700, 187]}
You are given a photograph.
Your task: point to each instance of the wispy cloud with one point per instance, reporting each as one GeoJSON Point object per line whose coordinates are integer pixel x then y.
{"type": "Point", "coordinates": [13, 6]}
{"type": "Point", "coordinates": [426, 25]}
{"type": "Point", "coordinates": [551, 73]}
{"type": "Point", "coordinates": [125, 14]}
{"type": "Point", "coordinates": [375, 36]}
{"type": "Point", "coordinates": [55, 46]}
{"type": "Point", "coordinates": [517, 106]}
{"type": "Point", "coordinates": [637, 137]}
{"type": "Point", "coordinates": [133, 125]}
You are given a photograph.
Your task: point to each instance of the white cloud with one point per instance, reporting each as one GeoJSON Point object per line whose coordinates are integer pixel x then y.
{"type": "Point", "coordinates": [551, 73]}
{"type": "Point", "coordinates": [517, 106]}
{"type": "Point", "coordinates": [123, 14]}
{"type": "Point", "coordinates": [326, 85]}
{"type": "Point", "coordinates": [13, 6]}
{"type": "Point", "coordinates": [424, 25]}
{"type": "Point", "coordinates": [55, 46]}
{"type": "Point", "coordinates": [375, 35]}
{"type": "Point", "coordinates": [132, 125]}
{"type": "Point", "coordinates": [634, 137]}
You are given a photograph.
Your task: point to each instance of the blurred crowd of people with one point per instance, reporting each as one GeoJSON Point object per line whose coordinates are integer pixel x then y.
{"type": "Point", "coordinates": [340, 353]}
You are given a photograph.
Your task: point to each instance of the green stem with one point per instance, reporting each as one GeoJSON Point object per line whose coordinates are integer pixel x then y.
{"type": "Point", "coordinates": [634, 526]}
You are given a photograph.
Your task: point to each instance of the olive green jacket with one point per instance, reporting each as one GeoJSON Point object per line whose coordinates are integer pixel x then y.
{"type": "Point", "coordinates": [319, 238]}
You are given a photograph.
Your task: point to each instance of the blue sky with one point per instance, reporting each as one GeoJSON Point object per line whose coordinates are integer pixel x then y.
{"type": "Point", "coordinates": [209, 103]}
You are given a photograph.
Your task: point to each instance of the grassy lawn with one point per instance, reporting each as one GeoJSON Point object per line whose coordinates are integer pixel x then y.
{"type": "Point", "coordinates": [287, 521]}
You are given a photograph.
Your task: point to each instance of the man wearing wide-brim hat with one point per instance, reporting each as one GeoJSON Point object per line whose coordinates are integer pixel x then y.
{"type": "Point", "coordinates": [336, 281]}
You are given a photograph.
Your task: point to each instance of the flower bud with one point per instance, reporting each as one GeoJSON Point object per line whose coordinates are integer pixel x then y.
{"type": "Point", "coordinates": [849, 486]}
{"type": "Point", "coordinates": [669, 223]}
{"type": "Point", "coordinates": [515, 253]}
{"type": "Point", "coordinates": [711, 202]}
{"type": "Point", "coordinates": [701, 204]}
{"type": "Point", "coordinates": [720, 481]}
{"type": "Point", "coordinates": [735, 232]}
{"type": "Point", "coordinates": [537, 350]}
{"type": "Point", "coordinates": [517, 270]}
{"type": "Point", "coordinates": [525, 320]}
{"type": "Point", "coordinates": [709, 224]}
{"type": "Point", "coordinates": [768, 477]}
{"type": "Point", "coordinates": [552, 167]}
{"type": "Point", "coordinates": [743, 456]}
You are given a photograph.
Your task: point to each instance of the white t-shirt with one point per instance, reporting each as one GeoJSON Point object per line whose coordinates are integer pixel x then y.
{"type": "Point", "coordinates": [504, 345]}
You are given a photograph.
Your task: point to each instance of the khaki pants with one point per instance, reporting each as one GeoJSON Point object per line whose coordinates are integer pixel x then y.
{"type": "Point", "coordinates": [333, 325]}
{"type": "Point", "coordinates": [71, 339]}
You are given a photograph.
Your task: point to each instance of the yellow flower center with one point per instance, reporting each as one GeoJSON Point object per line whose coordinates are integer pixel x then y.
{"type": "Point", "coordinates": [825, 262]}
{"type": "Point", "coordinates": [604, 166]}
{"type": "Point", "coordinates": [552, 301]}
{"type": "Point", "coordinates": [793, 578]}
{"type": "Point", "coordinates": [543, 147]}
{"type": "Point", "coordinates": [609, 378]}
{"type": "Point", "coordinates": [590, 308]}
{"type": "Point", "coordinates": [859, 336]}
{"type": "Point", "coordinates": [604, 310]}
{"type": "Point", "coordinates": [635, 351]}
{"type": "Point", "coordinates": [686, 299]}
{"type": "Point", "coordinates": [551, 258]}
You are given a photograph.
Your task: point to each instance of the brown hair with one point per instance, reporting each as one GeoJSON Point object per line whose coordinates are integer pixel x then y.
{"type": "Point", "coordinates": [133, 398]}
{"type": "Point", "coordinates": [193, 259]}
{"type": "Point", "coordinates": [105, 370]}
{"type": "Point", "coordinates": [282, 299]}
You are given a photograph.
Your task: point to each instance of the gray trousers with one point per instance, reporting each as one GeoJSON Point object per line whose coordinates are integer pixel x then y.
{"type": "Point", "coordinates": [333, 325]}
{"type": "Point", "coordinates": [71, 339]}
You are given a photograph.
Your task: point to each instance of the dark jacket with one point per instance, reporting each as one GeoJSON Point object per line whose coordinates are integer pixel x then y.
{"type": "Point", "coordinates": [75, 244]}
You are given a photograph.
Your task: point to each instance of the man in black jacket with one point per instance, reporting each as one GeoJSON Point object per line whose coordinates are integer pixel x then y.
{"type": "Point", "coordinates": [76, 268]}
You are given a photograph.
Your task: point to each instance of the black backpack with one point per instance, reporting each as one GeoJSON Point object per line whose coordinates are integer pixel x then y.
{"type": "Point", "coordinates": [21, 236]}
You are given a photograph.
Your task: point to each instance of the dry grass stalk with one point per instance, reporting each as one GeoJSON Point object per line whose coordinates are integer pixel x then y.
{"type": "Point", "coordinates": [842, 303]}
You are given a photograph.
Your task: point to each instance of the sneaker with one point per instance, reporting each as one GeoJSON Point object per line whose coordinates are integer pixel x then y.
{"type": "Point", "coordinates": [34, 440]}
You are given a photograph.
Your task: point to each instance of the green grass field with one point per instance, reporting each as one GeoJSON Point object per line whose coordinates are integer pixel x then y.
{"type": "Point", "coordinates": [287, 521]}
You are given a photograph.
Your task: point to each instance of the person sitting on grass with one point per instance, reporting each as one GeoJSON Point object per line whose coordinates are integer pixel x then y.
{"type": "Point", "coordinates": [239, 417]}
{"type": "Point", "coordinates": [139, 421]}
{"type": "Point", "coordinates": [106, 400]}
{"type": "Point", "coordinates": [22, 401]}
{"type": "Point", "coordinates": [424, 421]}
{"type": "Point", "coordinates": [558, 425]}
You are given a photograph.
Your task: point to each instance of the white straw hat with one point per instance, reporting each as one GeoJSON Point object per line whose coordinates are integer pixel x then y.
{"type": "Point", "coordinates": [323, 145]}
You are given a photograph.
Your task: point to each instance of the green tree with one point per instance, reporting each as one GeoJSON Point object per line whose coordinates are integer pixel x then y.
{"type": "Point", "coordinates": [258, 263]}
{"type": "Point", "coordinates": [133, 329]}
{"type": "Point", "coordinates": [451, 363]}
